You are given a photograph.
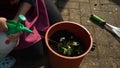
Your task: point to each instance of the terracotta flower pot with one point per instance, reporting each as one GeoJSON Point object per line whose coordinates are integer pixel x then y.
{"type": "Point", "coordinates": [59, 61]}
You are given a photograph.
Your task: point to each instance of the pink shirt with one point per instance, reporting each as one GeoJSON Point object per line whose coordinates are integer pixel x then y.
{"type": "Point", "coordinates": [38, 22]}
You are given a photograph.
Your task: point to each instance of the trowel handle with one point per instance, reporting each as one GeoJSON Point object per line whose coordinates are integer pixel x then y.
{"type": "Point", "coordinates": [100, 20]}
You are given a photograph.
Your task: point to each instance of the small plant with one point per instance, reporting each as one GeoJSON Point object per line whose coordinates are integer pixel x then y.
{"type": "Point", "coordinates": [68, 44]}
{"type": "Point", "coordinates": [70, 48]}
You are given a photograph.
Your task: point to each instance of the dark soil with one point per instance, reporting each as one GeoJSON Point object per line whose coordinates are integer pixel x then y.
{"type": "Point", "coordinates": [63, 36]}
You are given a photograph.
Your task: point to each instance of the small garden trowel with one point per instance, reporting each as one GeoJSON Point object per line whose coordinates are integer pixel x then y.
{"type": "Point", "coordinates": [115, 29]}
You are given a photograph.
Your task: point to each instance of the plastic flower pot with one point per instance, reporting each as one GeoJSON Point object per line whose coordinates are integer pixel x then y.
{"type": "Point", "coordinates": [60, 61]}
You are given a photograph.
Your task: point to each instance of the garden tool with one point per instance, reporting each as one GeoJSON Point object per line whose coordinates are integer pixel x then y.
{"type": "Point", "coordinates": [114, 29]}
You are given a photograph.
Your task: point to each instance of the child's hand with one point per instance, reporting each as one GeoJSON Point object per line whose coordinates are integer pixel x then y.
{"type": "Point", "coordinates": [15, 37]}
{"type": "Point", "coordinates": [3, 26]}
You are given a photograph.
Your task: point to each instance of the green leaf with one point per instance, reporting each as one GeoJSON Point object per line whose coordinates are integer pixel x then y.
{"type": "Point", "coordinates": [69, 51]}
{"type": "Point", "coordinates": [64, 50]}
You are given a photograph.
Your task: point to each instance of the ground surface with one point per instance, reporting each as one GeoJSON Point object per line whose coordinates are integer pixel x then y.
{"type": "Point", "coordinates": [107, 52]}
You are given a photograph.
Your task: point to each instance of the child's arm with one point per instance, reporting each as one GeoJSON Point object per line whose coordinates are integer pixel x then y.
{"type": "Point", "coordinates": [25, 5]}
{"type": "Point", "coordinates": [24, 8]}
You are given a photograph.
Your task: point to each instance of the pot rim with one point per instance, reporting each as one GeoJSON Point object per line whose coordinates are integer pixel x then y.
{"type": "Point", "coordinates": [67, 57]}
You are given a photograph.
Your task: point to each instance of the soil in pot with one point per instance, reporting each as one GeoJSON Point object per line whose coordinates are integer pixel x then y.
{"type": "Point", "coordinates": [66, 43]}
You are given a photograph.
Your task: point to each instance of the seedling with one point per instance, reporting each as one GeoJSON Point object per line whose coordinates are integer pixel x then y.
{"type": "Point", "coordinates": [68, 44]}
